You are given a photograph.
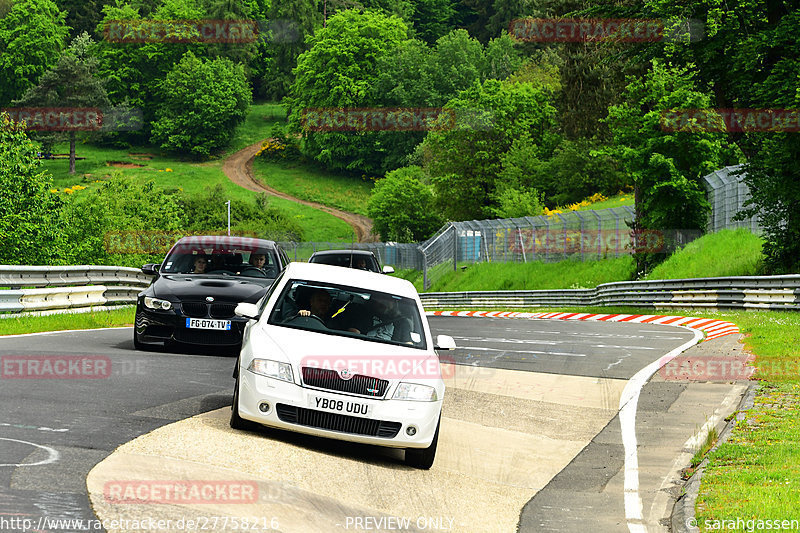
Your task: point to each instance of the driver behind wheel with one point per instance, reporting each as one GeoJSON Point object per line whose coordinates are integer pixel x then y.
{"type": "Point", "coordinates": [319, 304]}
{"type": "Point", "coordinates": [258, 260]}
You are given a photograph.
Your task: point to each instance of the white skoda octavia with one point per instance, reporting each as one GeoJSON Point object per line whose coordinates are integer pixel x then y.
{"type": "Point", "coordinates": [344, 354]}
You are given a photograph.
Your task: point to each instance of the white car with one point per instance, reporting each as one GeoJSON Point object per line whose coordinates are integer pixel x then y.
{"type": "Point", "coordinates": [343, 354]}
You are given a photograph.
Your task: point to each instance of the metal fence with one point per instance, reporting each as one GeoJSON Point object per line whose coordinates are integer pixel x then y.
{"type": "Point", "coordinates": [579, 235]}
{"type": "Point", "coordinates": [727, 193]}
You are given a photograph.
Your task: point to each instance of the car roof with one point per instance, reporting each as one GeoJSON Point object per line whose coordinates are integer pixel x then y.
{"type": "Point", "coordinates": [225, 240]}
{"type": "Point", "coordinates": [343, 252]}
{"type": "Point", "coordinates": [352, 277]}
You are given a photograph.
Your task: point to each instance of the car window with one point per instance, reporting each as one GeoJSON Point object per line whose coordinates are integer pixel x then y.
{"type": "Point", "coordinates": [349, 312]}
{"type": "Point", "coordinates": [345, 259]}
{"type": "Point", "coordinates": [257, 263]}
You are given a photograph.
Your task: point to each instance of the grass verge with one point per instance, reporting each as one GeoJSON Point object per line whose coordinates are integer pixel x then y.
{"type": "Point", "coordinates": [724, 253]}
{"type": "Point", "coordinates": [755, 475]}
{"type": "Point", "coordinates": [309, 182]}
{"type": "Point", "coordinates": [192, 177]}
{"type": "Point", "coordinates": [35, 324]}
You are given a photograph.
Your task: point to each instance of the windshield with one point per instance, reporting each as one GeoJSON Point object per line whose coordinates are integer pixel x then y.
{"type": "Point", "coordinates": [346, 259]}
{"type": "Point", "coordinates": [255, 263]}
{"type": "Point", "coordinates": [349, 312]}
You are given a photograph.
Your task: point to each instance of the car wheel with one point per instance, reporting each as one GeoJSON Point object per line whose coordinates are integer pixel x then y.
{"type": "Point", "coordinates": [237, 422]}
{"type": "Point", "coordinates": [423, 457]}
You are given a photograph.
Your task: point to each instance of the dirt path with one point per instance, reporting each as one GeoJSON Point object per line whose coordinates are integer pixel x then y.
{"type": "Point", "coordinates": [239, 169]}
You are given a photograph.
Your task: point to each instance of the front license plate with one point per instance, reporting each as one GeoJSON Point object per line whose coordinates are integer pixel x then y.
{"type": "Point", "coordinates": [205, 323]}
{"type": "Point", "coordinates": [345, 407]}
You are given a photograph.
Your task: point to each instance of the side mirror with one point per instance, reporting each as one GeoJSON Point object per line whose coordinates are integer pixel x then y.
{"type": "Point", "coordinates": [247, 310]}
{"type": "Point", "coordinates": [388, 270]}
{"type": "Point", "coordinates": [445, 342]}
{"type": "Point", "coordinates": [151, 269]}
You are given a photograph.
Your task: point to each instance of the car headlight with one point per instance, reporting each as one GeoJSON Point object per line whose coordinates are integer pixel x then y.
{"type": "Point", "coordinates": [415, 392]}
{"type": "Point", "coordinates": [155, 303]}
{"type": "Point", "coordinates": [272, 369]}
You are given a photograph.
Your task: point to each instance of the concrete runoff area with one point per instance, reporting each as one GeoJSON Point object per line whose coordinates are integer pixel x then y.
{"type": "Point", "coordinates": [529, 450]}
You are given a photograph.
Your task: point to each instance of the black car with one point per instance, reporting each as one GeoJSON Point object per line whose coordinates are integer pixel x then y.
{"type": "Point", "coordinates": [363, 259]}
{"type": "Point", "coordinates": [196, 288]}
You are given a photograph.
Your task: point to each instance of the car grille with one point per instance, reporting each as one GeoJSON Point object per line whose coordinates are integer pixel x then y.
{"type": "Point", "coordinates": [194, 309]}
{"type": "Point", "coordinates": [222, 310]}
{"type": "Point", "coordinates": [336, 422]}
{"type": "Point", "coordinates": [325, 378]}
{"type": "Point", "coordinates": [201, 310]}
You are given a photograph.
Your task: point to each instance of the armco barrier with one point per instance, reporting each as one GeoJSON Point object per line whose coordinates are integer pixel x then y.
{"type": "Point", "coordinates": [741, 292]}
{"type": "Point", "coordinates": [68, 287]}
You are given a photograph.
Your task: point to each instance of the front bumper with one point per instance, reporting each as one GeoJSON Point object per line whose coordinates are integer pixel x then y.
{"type": "Point", "coordinates": [287, 398]}
{"type": "Point", "coordinates": [157, 326]}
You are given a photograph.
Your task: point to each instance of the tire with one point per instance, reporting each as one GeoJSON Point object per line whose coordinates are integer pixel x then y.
{"type": "Point", "coordinates": [237, 422]}
{"type": "Point", "coordinates": [422, 458]}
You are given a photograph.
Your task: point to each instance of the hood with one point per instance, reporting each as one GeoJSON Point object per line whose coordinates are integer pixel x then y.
{"type": "Point", "coordinates": [185, 287]}
{"type": "Point", "coordinates": [375, 359]}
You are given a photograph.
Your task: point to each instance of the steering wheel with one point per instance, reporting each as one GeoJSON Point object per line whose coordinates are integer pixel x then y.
{"type": "Point", "coordinates": [299, 317]}
{"type": "Point", "coordinates": [258, 272]}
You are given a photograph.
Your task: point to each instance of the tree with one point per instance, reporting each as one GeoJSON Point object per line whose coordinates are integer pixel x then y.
{"type": "Point", "coordinates": [458, 63]}
{"type": "Point", "coordinates": [465, 161]}
{"type": "Point", "coordinates": [666, 166]}
{"type": "Point", "coordinates": [72, 83]}
{"type": "Point", "coordinates": [432, 19]}
{"type": "Point", "coordinates": [202, 102]}
{"type": "Point", "coordinates": [28, 210]}
{"type": "Point", "coordinates": [120, 204]}
{"type": "Point", "coordinates": [32, 36]}
{"type": "Point", "coordinates": [340, 70]}
{"type": "Point", "coordinates": [291, 23]}
{"type": "Point", "coordinates": [748, 58]}
{"type": "Point", "coordinates": [135, 70]}
{"type": "Point", "coordinates": [401, 206]}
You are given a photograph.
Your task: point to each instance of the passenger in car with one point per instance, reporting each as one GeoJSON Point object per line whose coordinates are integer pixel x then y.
{"type": "Point", "coordinates": [200, 263]}
{"type": "Point", "coordinates": [385, 320]}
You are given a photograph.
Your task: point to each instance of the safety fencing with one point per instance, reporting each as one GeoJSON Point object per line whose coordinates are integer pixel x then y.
{"type": "Point", "coordinates": [37, 288]}
{"type": "Point", "coordinates": [743, 292]}
{"type": "Point", "coordinates": [41, 288]}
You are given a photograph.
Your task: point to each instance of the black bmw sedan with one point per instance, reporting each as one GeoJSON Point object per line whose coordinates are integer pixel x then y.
{"type": "Point", "coordinates": [197, 287]}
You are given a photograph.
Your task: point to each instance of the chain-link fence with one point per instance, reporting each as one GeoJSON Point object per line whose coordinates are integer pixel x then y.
{"type": "Point", "coordinates": [727, 193]}
{"type": "Point", "coordinates": [578, 235]}
{"type": "Point", "coordinates": [397, 254]}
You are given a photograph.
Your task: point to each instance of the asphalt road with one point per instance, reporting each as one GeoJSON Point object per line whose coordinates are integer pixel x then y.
{"type": "Point", "coordinates": [67, 426]}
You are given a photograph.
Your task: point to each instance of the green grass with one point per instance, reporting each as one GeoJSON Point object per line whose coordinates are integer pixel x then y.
{"type": "Point", "coordinates": [190, 176]}
{"type": "Point", "coordinates": [261, 117]}
{"type": "Point", "coordinates": [725, 253]}
{"type": "Point", "coordinates": [309, 182]}
{"type": "Point", "coordinates": [34, 324]}
{"type": "Point", "coordinates": [756, 473]}
{"type": "Point", "coordinates": [528, 276]}
{"type": "Point", "coordinates": [615, 201]}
